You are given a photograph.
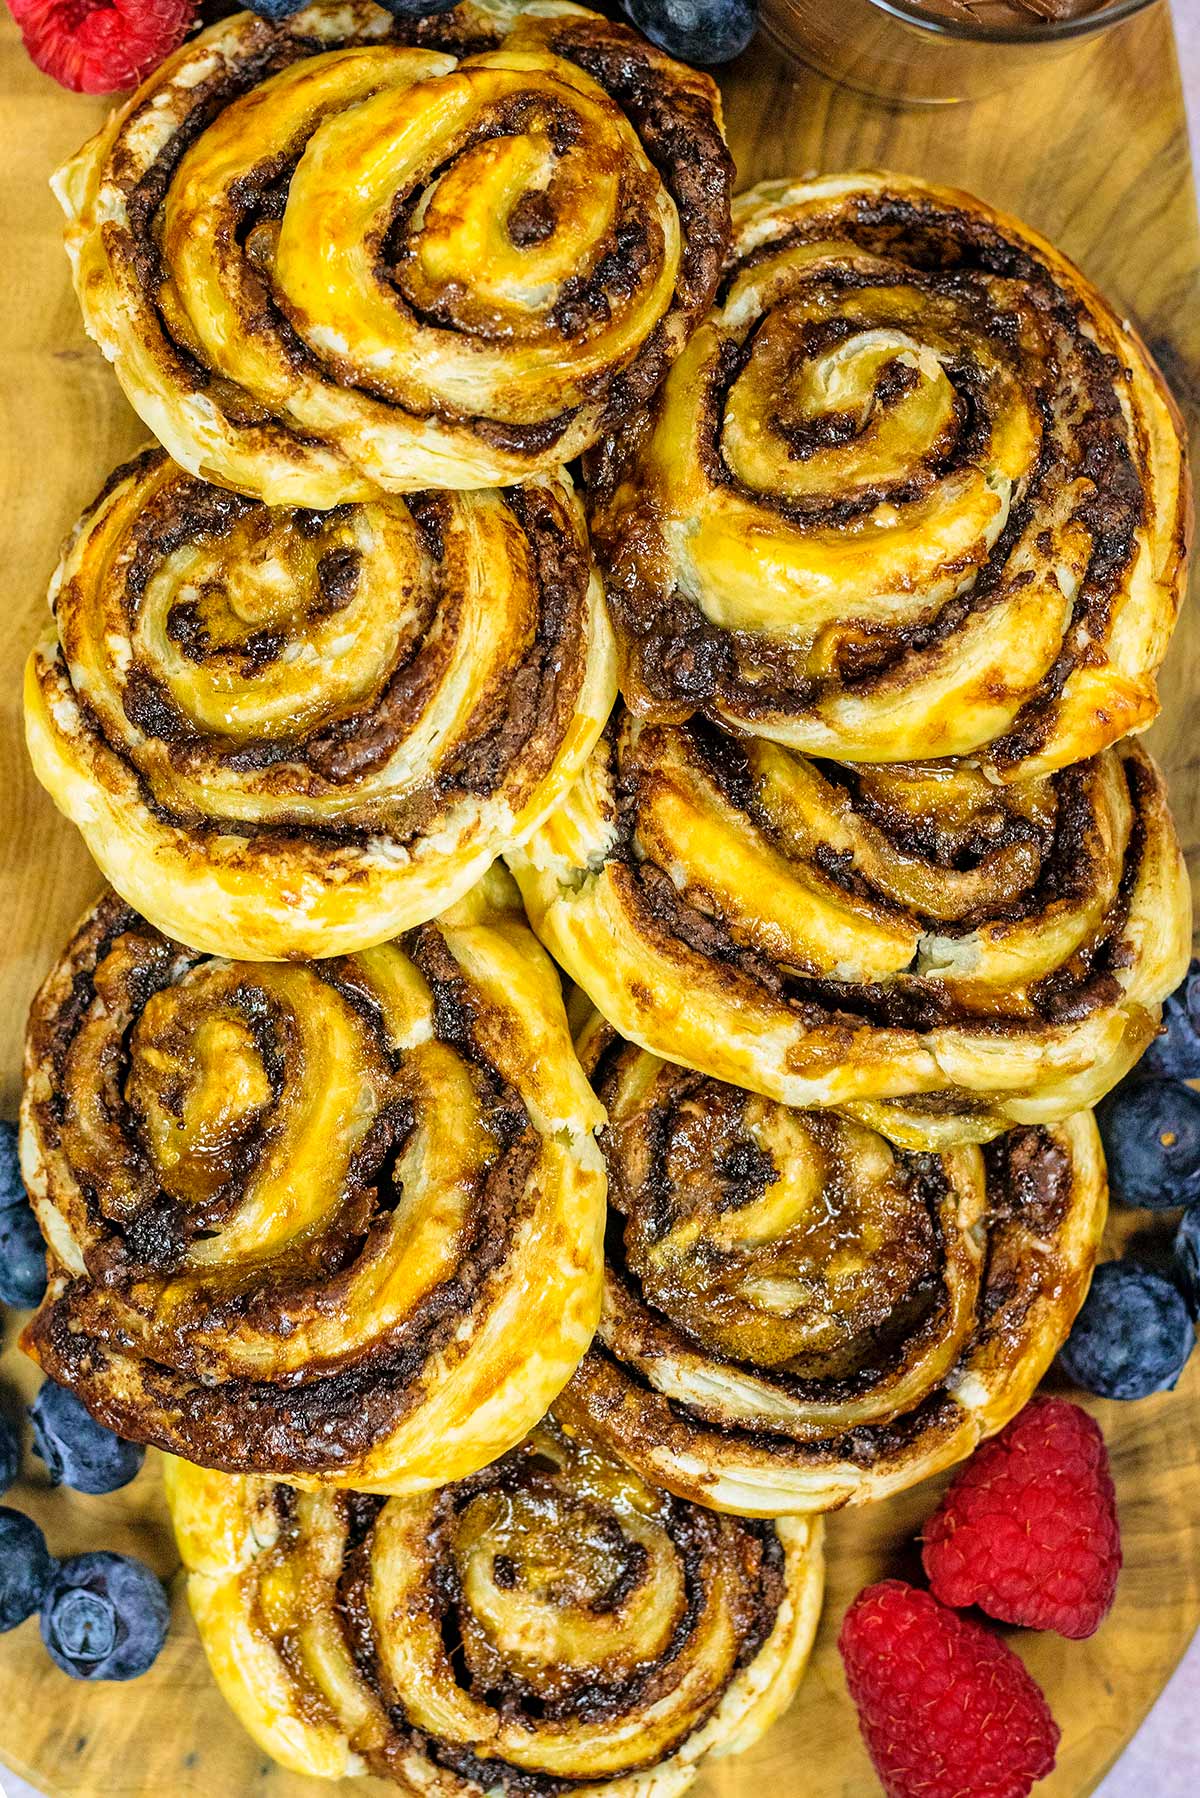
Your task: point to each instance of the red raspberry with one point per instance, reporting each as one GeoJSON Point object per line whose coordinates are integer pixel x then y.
{"type": "Point", "coordinates": [97, 46]}
{"type": "Point", "coordinates": [945, 1707]}
{"type": "Point", "coordinates": [1028, 1531]}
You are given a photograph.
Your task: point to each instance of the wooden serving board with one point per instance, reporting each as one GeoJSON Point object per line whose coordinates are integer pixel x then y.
{"type": "Point", "coordinates": [1092, 151]}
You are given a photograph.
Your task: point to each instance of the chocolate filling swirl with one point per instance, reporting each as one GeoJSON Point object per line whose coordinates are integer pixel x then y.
{"type": "Point", "coordinates": [914, 491]}
{"type": "Point", "coordinates": [542, 205]}
{"type": "Point", "coordinates": [291, 1208]}
{"type": "Point", "coordinates": [549, 1621]}
{"type": "Point", "coordinates": [799, 1314]}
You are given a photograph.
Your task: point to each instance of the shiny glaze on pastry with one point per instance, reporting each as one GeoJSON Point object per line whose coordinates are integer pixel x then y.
{"type": "Point", "coordinates": [799, 1315]}
{"type": "Point", "coordinates": [912, 491]}
{"type": "Point", "coordinates": [293, 733]}
{"type": "Point", "coordinates": [351, 251]}
{"type": "Point", "coordinates": [339, 1221]}
{"type": "Point", "coordinates": [551, 1625]}
{"type": "Point", "coordinates": [938, 954]}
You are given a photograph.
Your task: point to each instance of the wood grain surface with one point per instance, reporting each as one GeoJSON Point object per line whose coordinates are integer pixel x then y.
{"type": "Point", "coordinates": [1094, 153]}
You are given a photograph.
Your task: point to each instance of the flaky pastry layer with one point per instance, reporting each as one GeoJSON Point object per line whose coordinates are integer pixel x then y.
{"type": "Point", "coordinates": [938, 954]}
{"type": "Point", "coordinates": [336, 1221]}
{"type": "Point", "coordinates": [799, 1315]}
{"type": "Point", "coordinates": [912, 491]}
{"type": "Point", "coordinates": [551, 1625]}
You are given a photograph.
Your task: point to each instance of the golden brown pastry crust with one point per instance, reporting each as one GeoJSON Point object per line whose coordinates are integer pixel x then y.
{"type": "Point", "coordinates": [799, 1316]}
{"type": "Point", "coordinates": [339, 1221]}
{"type": "Point", "coordinates": [551, 1625]}
{"type": "Point", "coordinates": [937, 954]}
{"type": "Point", "coordinates": [350, 251]}
{"type": "Point", "coordinates": [912, 491]}
{"type": "Point", "coordinates": [288, 733]}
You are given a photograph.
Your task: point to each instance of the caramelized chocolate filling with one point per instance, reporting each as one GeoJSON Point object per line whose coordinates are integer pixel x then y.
{"type": "Point", "coordinates": [331, 1409]}
{"type": "Point", "coordinates": [682, 140]}
{"type": "Point", "coordinates": [680, 662]}
{"type": "Point", "coordinates": [1029, 1181]}
{"type": "Point", "coordinates": [580, 1694]}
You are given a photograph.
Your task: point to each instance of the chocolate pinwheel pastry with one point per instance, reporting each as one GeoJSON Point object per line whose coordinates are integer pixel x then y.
{"type": "Point", "coordinates": [339, 1221]}
{"type": "Point", "coordinates": [551, 1625]}
{"type": "Point", "coordinates": [936, 953]}
{"type": "Point", "coordinates": [347, 251]}
{"type": "Point", "coordinates": [912, 491]}
{"type": "Point", "coordinates": [293, 733]}
{"type": "Point", "coordinates": [799, 1315]}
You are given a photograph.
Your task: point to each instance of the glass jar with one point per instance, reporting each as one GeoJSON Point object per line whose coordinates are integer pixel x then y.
{"type": "Point", "coordinates": [915, 51]}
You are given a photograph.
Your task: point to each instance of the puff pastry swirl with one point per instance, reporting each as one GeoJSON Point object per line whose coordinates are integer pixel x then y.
{"type": "Point", "coordinates": [799, 1315]}
{"type": "Point", "coordinates": [939, 954]}
{"type": "Point", "coordinates": [291, 733]}
{"type": "Point", "coordinates": [338, 1221]}
{"type": "Point", "coordinates": [551, 1625]}
{"type": "Point", "coordinates": [912, 491]}
{"type": "Point", "coordinates": [349, 251]}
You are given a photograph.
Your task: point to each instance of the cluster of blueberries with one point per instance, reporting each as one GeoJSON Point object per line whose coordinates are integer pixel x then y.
{"type": "Point", "coordinates": [103, 1616]}
{"type": "Point", "coordinates": [1137, 1326]}
{"type": "Point", "coordinates": [703, 31]}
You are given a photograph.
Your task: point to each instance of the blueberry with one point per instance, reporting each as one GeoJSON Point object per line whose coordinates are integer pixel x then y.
{"type": "Point", "coordinates": [12, 1187]}
{"type": "Point", "coordinates": [704, 31]}
{"type": "Point", "coordinates": [1177, 1053]}
{"type": "Point", "coordinates": [1151, 1132]}
{"type": "Point", "coordinates": [1187, 1258]}
{"type": "Point", "coordinates": [80, 1452]}
{"type": "Point", "coordinates": [10, 1455]}
{"type": "Point", "coordinates": [416, 9]}
{"type": "Point", "coordinates": [105, 1616]}
{"type": "Point", "coordinates": [276, 10]}
{"type": "Point", "coordinates": [1132, 1336]}
{"type": "Point", "coordinates": [22, 1251]}
{"type": "Point", "coordinates": [26, 1568]}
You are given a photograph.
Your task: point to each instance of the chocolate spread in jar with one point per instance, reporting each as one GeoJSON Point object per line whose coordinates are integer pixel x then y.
{"type": "Point", "coordinates": [997, 13]}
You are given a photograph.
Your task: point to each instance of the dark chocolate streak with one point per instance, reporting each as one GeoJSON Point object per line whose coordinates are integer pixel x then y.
{"type": "Point", "coordinates": [314, 1420]}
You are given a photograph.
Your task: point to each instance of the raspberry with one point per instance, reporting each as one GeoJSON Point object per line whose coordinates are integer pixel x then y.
{"type": "Point", "coordinates": [946, 1708]}
{"type": "Point", "coordinates": [97, 46]}
{"type": "Point", "coordinates": [1028, 1531]}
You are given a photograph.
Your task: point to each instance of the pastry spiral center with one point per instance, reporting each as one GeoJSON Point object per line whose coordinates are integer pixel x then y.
{"type": "Point", "coordinates": [554, 1583]}
{"type": "Point", "coordinates": [495, 228]}
{"type": "Point", "coordinates": [790, 1240]}
{"type": "Point", "coordinates": [200, 1092]}
{"type": "Point", "coordinates": [862, 412]}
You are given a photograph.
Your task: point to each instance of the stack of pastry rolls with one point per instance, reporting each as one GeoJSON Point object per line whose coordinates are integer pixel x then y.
{"type": "Point", "coordinates": [776, 593]}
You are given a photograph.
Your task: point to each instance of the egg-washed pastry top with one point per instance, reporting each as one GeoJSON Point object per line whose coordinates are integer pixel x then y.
{"type": "Point", "coordinates": [936, 953]}
{"type": "Point", "coordinates": [294, 733]}
{"type": "Point", "coordinates": [338, 1221]}
{"type": "Point", "coordinates": [348, 250]}
{"type": "Point", "coordinates": [551, 1625]}
{"type": "Point", "coordinates": [913, 490]}
{"type": "Point", "coordinates": [799, 1315]}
